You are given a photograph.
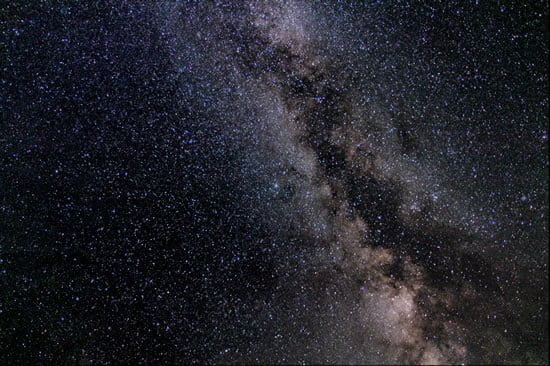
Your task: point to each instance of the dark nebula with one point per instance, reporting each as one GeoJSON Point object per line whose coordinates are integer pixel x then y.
{"type": "Point", "coordinates": [295, 182]}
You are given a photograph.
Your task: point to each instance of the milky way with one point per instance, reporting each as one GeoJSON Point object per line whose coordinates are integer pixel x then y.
{"type": "Point", "coordinates": [274, 182]}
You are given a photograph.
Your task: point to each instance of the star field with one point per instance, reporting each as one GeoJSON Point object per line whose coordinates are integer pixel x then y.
{"type": "Point", "coordinates": [324, 182]}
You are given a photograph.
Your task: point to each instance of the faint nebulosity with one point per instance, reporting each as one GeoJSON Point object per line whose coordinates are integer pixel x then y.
{"type": "Point", "coordinates": [272, 182]}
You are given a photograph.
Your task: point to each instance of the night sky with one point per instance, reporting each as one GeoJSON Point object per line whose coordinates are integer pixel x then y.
{"type": "Point", "coordinates": [350, 182]}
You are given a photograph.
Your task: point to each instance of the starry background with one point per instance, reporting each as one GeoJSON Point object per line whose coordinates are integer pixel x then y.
{"type": "Point", "coordinates": [274, 182]}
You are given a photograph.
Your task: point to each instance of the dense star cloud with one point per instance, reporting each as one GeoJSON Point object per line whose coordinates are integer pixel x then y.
{"type": "Point", "coordinates": [274, 182]}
